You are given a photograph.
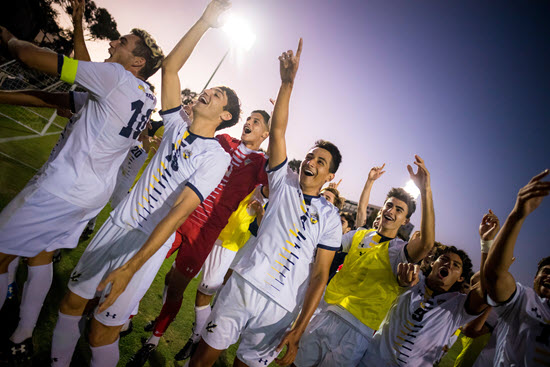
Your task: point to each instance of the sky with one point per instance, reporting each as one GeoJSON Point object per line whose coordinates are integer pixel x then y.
{"type": "Point", "coordinates": [463, 84]}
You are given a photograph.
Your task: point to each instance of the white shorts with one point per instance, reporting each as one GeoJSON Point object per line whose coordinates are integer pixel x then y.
{"type": "Point", "coordinates": [36, 220]}
{"type": "Point", "coordinates": [214, 269]}
{"type": "Point", "coordinates": [329, 340]}
{"type": "Point", "coordinates": [241, 310]}
{"type": "Point", "coordinates": [111, 248]}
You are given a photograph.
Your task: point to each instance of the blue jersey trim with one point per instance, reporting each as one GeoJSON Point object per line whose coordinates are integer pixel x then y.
{"type": "Point", "coordinates": [274, 168]}
{"type": "Point", "coordinates": [71, 102]}
{"type": "Point", "coordinates": [192, 187]}
{"type": "Point", "coordinates": [175, 109]}
{"type": "Point", "coordinates": [308, 198]}
{"type": "Point", "coordinates": [330, 248]}
{"type": "Point", "coordinates": [59, 63]}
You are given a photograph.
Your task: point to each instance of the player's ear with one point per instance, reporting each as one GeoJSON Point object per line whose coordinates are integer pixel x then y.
{"type": "Point", "coordinates": [226, 116]}
{"type": "Point", "coordinates": [139, 62]}
{"type": "Point", "coordinates": [330, 177]}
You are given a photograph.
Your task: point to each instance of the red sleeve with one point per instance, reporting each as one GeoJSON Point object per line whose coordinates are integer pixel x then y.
{"type": "Point", "coordinates": [262, 174]}
{"type": "Point", "coordinates": [227, 142]}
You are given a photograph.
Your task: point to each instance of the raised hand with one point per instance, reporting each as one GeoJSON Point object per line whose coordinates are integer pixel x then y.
{"type": "Point", "coordinates": [78, 11]}
{"type": "Point", "coordinates": [213, 11]}
{"type": "Point", "coordinates": [288, 64]}
{"type": "Point", "coordinates": [376, 172]}
{"type": "Point", "coordinates": [422, 177]}
{"type": "Point", "coordinates": [334, 185]}
{"type": "Point", "coordinates": [407, 274]}
{"type": "Point", "coordinates": [256, 207]}
{"type": "Point", "coordinates": [489, 226]}
{"type": "Point", "coordinates": [530, 196]}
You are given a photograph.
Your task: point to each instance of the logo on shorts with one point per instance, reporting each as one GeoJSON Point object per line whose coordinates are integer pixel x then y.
{"type": "Point", "coordinates": [210, 327]}
{"type": "Point", "coordinates": [109, 315]}
{"type": "Point", "coordinates": [75, 276]}
{"type": "Point", "coordinates": [264, 361]}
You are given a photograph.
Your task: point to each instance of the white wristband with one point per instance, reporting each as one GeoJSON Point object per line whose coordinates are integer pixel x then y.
{"type": "Point", "coordinates": [486, 245]}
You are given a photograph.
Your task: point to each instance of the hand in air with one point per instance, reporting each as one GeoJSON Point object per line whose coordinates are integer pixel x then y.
{"type": "Point", "coordinates": [407, 274]}
{"type": "Point", "coordinates": [288, 64]}
{"type": "Point", "coordinates": [422, 177]}
{"type": "Point", "coordinates": [530, 196]}
{"type": "Point", "coordinates": [489, 226]}
{"type": "Point", "coordinates": [213, 11]}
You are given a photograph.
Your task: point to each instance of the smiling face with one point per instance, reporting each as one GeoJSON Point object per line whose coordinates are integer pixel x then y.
{"type": "Point", "coordinates": [394, 215]}
{"type": "Point", "coordinates": [254, 131]}
{"type": "Point", "coordinates": [542, 282]}
{"type": "Point", "coordinates": [446, 271]}
{"type": "Point", "coordinates": [121, 51]}
{"type": "Point", "coordinates": [314, 171]}
{"type": "Point", "coordinates": [210, 105]}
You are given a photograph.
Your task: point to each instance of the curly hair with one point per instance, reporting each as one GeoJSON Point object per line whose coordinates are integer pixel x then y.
{"type": "Point", "coordinates": [147, 48]}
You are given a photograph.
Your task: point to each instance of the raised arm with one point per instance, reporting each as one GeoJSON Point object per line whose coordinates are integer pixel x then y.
{"type": "Point", "coordinates": [361, 216]}
{"type": "Point", "coordinates": [33, 56]}
{"type": "Point", "coordinates": [421, 246]}
{"type": "Point", "coordinates": [80, 50]}
{"type": "Point", "coordinates": [498, 281]}
{"type": "Point", "coordinates": [170, 89]}
{"type": "Point", "coordinates": [288, 65]}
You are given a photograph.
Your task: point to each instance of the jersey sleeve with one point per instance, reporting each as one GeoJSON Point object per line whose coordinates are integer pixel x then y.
{"type": "Point", "coordinates": [209, 174]}
{"type": "Point", "coordinates": [512, 307]}
{"type": "Point", "coordinates": [173, 117]}
{"type": "Point", "coordinates": [397, 254]}
{"type": "Point", "coordinates": [347, 239]}
{"type": "Point", "coordinates": [98, 78]}
{"type": "Point", "coordinates": [332, 236]}
{"type": "Point", "coordinates": [277, 176]}
{"type": "Point", "coordinates": [77, 100]}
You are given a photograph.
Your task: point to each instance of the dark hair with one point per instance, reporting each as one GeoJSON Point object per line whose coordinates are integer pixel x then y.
{"type": "Point", "coordinates": [265, 115]}
{"type": "Point", "coordinates": [147, 48]}
{"type": "Point", "coordinates": [349, 218]}
{"type": "Point", "coordinates": [401, 194]}
{"type": "Point", "coordinates": [233, 106]}
{"type": "Point", "coordinates": [466, 265]}
{"type": "Point", "coordinates": [543, 263]}
{"type": "Point", "coordinates": [334, 152]}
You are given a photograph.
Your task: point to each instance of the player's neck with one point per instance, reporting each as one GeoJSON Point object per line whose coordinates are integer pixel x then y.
{"type": "Point", "coordinates": [252, 145]}
{"type": "Point", "coordinates": [202, 127]}
{"type": "Point", "coordinates": [390, 233]}
{"type": "Point", "coordinates": [311, 191]}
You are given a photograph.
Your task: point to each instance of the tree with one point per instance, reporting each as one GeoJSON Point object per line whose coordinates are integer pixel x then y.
{"type": "Point", "coordinates": [295, 165]}
{"type": "Point", "coordinates": [37, 20]}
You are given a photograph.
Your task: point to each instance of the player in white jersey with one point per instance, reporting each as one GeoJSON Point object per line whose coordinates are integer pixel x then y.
{"type": "Point", "coordinates": [423, 318]}
{"type": "Point", "coordinates": [523, 332]}
{"type": "Point", "coordinates": [285, 270]}
{"type": "Point", "coordinates": [128, 250]}
{"type": "Point", "coordinates": [77, 183]}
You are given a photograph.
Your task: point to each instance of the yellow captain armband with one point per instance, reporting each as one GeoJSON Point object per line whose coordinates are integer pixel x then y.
{"type": "Point", "coordinates": [68, 70]}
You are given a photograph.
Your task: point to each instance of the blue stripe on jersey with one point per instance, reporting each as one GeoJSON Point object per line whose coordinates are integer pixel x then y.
{"type": "Point", "coordinates": [307, 198]}
{"type": "Point", "coordinates": [324, 247]}
{"type": "Point", "coordinates": [275, 168]}
{"type": "Point", "coordinates": [192, 187]}
{"type": "Point", "coordinates": [59, 63]}
{"type": "Point", "coordinates": [170, 110]}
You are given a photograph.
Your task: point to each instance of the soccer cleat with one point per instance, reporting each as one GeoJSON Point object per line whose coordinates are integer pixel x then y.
{"type": "Point", "coordinates": [56, 256]}
{"type": "Point", "coordinates": [150, 325]}
{"type": "Point", "coordinates": [19, 353]}
{"type": "Point", "coordinates": [187, 351]}
{"type": "Point", "coordinates": [141, 356]}
{"type": "Point", "coordinates": [85, 234]}
{"type": "Point", "coordinates": [123, 333]}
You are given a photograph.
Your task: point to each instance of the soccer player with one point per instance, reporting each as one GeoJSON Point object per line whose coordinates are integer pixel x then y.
{"type": "Point", "coordinates": [196, 237]}
{"type": "Point", "coordinates": [51, 212]}
{"type": "Point", "coordinates": [361, 293]}
{"type": "Point", "coordinates": [523, 332]}
{"type": "Point", "coordinates": [283, 273]}
{"type": "Point", "coordinates": [423, 318]}
{"type": "Point", "coordinates": [128, 250]}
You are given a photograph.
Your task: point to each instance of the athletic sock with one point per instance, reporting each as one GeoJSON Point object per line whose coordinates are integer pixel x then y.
{"type": "Point", "coordinates": [65, 337]}
{"type": "Point", "coordinates": [201, 315]}
{"type": "Point", "coordinates": [3, 288]}
{"type": "Point", "coordinates": [168, 313]}
{"type": "Point", "coordinates": [126, 325]}
{"type": "Point", "coordinates": [35, 291]}
{"type": "Point", "coordinates": [105, 355]}
{"type": "Point", "coordinates": [153, 340]}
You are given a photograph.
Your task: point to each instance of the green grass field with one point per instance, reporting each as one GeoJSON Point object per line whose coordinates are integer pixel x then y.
{"type": "Point", "coordinates": [13, 176]}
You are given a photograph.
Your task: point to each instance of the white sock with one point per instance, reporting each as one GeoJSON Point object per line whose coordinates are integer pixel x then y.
{"type": "Point", "coordinates": [65, 337]}
{"type": "Point", "coordinates": [153, 340]}
{"type": "Point", "coordinates": [105, 356]}
{"type": "Point", "coordinates": [201, 315]}
{"type": "Point", "coordinates": [126, 325]}
{"type": "Point", "coordinates": [3, 288]}
{"type": "Point", "coordinates": [35, 291]}
{"type": "Point", "coordinates": [12, 270]}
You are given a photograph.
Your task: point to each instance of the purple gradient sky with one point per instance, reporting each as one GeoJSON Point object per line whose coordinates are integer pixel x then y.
{"type": "Point", "coordinates": [464, 85]}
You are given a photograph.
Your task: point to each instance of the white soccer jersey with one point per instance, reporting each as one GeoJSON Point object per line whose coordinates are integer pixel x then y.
{"type": "Point", "coordinates": [294, 225]}
{"type": "Point", "coordinates": [417, 327]}
{"type": "Point", "coordinates": [127, 173]}
{"type": "Point", "coordinates": [523, 331]}
{"type": "Point", "coordinates": [182, 159]}
{"type": "Point", "coordinates": [487, 355]}
{"type": "Point", "coordinates": [116, 111]}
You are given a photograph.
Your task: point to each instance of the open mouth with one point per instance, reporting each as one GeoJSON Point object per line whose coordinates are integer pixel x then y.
{"type": "Point", "coordinates": [202, 99]}
{"type": "Point", "coordinates": [443, 273]}
{"type": "Point", "coordinates": [546, 285]}
{"type": "Point", "coordinates": [387, 217]}
{"type": "Point", "coordinates": [247, 130]}
{"type": "Point", "coordinates": [308, 173]}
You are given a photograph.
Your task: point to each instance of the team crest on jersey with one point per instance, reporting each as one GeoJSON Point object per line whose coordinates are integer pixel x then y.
{"type": "Point", "coordinates": [186, 153]}
{"type": "Point", "coordinates": [314, 218]}
{"type": "Point", "coordinates": [247, 161]}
